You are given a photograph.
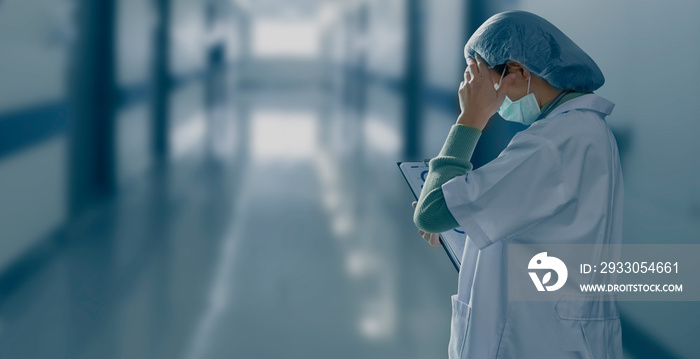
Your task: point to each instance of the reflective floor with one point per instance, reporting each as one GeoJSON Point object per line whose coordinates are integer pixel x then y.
{"type": "Point", "coordinates": [295, 242]}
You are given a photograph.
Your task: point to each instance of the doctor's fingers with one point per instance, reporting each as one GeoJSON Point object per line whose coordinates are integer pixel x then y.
{"type": "Point", "coordinates": [467, 78]}
{"type": "Point", "coordinates": [468, 75]}
{"type": "Point", "coordinates": [481, 64]}
{"type": "Point", "coordinates": [472, 68]}
{"type": "Point", "coordinates": [432, 238]}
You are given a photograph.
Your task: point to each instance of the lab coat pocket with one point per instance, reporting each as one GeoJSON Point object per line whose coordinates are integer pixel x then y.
{"type": "Point", "coordinates": [603, 337]}
{"type": "Point", "coordinates": [599, 324]}
{"type": "Point", "coordinates": [460, 324]}
{"type": "Point", "coordinates": [538, 330]}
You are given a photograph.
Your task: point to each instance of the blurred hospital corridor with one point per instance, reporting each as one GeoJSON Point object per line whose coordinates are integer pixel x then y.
{"type": "Point", "coordinates": [217, 178]}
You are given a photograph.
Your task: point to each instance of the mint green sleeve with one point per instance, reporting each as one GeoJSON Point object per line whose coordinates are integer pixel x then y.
{"type": "Point", "coordinates": [431, 214]}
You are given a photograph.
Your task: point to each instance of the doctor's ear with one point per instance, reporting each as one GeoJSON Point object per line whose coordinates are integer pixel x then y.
{"type": "Point", "coordinates": [519, 70]}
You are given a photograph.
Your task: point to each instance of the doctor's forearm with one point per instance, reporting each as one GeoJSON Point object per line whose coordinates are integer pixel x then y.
{"type": "Point", "coordinates": [432, 214]}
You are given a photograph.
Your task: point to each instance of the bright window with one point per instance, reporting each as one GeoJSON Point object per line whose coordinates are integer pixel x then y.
{"type": "Point", "coordinates": [285, 38]}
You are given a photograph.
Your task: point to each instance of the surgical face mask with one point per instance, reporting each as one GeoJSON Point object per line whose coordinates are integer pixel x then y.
{"type": "Point", "coordinates": [525, 111]}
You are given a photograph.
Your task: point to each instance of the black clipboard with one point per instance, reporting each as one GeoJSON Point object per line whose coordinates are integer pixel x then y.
{"type": "Point", "coordinates": [452, 241]}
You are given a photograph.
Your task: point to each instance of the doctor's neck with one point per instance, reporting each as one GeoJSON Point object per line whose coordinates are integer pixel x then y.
{"type": "Point", "coordinates": [544, 92]}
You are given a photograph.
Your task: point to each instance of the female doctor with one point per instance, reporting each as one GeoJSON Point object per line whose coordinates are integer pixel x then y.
{"type": "Point", "coordinates": [558, 181]}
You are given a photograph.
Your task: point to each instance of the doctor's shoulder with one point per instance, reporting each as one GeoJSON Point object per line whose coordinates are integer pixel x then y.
{"type": "Point", "coordinates": [576, 126]}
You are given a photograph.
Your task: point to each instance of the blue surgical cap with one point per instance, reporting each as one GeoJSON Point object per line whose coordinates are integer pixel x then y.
{"type": "Point", "coordinates": [538, 45]}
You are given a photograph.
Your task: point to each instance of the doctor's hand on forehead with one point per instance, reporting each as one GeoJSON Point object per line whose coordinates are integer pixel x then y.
{"type": "Point", "coordinates": [432, 238]}
{"type": "Point", "coordinates": [478, 99]}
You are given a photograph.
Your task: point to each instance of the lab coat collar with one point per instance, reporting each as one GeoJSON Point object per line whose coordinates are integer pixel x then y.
{"type": "Point", "coordinates": [587, 102]}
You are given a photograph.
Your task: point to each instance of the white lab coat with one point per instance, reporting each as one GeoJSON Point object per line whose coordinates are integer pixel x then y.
{"type": "Point", "coordinates": [558, 181]}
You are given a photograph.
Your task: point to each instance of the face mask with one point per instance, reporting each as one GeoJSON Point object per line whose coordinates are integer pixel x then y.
{"type": "Point", "coordinates": [525, 111]}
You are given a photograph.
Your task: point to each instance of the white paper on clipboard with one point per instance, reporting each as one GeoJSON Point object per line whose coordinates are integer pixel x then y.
{"type": "Point", "coordinates": [452, 241]}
